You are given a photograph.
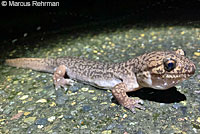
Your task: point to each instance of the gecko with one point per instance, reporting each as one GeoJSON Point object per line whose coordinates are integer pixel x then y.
{"type": "Point", "coordinates": [158, 70]}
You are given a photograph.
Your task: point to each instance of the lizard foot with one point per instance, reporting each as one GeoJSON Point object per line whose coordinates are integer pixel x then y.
{"type": "Point", "coordinates": [133, 103]}
{"type": "Point", "coordinates": [119, 92]}
{"type": "Point", "coordinates": [59, 80]}
{"type": "Point", "coordinates": [62, 82]}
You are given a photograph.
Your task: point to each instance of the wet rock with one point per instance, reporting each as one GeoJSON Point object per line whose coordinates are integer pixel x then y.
{"type": "Point", "coordinates": [176, 105]}
{"type": "Point", "coordinates": [7, 110]}
{"type": "Point", "coordinates": [51, 119]}
{"type": "Point", "coordinates": [41, 101]}
{"type": "Point", "coordinates": [59, 93]}
{"type": "Point", "coordinates": [15, 129]}
{"type": "Point", "coordinates": [60, 97]}
{"type": "Point", "coordinates": [55, 133]}
{"type": "Point", "coordinates": [23, 97]}
{"type": "Point", "coordinates": [41, 121]}
{"type": "Point", "coordinates": [49, 87]}
{"type": "Point", "coordinates": [86, 108]}
{"type": "Point", "coordinates": [74, 88]}
{"type": "Point", "coordinates": [140, 132]}
{"type": "Point", "coordinates": [107, 132]}
{"type": "Point", "coordinates": [183, 110]}
{"type": "Point", "coordinates": [61, 100]}
{"type": "Point", "coordinates": [81, 97]}
{"type": "Point", "coordinates": [31, 129]}
{"type": "Point", "coordinates": [198, 77]}
{"type": "Point", "coordinates": [29, 120]}
{"type": "Point", "coordinates": [31, 107]}
{"type": "Point", "coordinates": [111, 126]}
{"type": "Point", "coordinates": [68, 117]}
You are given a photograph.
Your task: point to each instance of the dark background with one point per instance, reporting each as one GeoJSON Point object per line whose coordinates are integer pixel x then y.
{"type": "Point", "coordinates": [15, 21]}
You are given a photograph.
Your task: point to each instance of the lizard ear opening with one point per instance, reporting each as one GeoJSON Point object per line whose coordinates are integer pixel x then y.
{"type": "Point", "coordinates": [181, 52]}
{"type": "Point", "coordinates": [169, 64]}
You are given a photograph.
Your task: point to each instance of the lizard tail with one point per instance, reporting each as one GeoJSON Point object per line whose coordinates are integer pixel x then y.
{"type": "Point", "coordinates": [38, 64]}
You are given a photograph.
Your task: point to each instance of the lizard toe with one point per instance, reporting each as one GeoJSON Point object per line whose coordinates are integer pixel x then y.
{"type": "Point", "coordinates": [132, 104]}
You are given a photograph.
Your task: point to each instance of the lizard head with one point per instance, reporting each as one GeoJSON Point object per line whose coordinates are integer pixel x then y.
{"type": "Point", "coordinates": [165, 69]}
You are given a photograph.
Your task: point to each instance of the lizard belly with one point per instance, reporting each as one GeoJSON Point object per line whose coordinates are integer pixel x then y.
{"type": "Point", "coordinates": [100, 82]}
{"type": "Point", "coordinates": [105, 84]}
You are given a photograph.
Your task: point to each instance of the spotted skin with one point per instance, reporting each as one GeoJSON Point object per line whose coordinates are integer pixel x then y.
{"type": "Point", "coordinates": [119, 92]}
{"type": "Point", "coordinates": [159, 70]}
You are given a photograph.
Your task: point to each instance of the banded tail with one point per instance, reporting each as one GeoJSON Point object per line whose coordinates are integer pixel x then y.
{"type": "Point", "coordinates": [38, 64]}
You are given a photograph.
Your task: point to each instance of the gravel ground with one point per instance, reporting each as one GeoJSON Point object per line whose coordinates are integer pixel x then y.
{"type": "Point", "coordinates": [29, 103]}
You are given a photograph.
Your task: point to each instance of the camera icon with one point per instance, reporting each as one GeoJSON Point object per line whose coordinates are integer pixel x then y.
{"type": "Point", "coordinates": [4, 3]}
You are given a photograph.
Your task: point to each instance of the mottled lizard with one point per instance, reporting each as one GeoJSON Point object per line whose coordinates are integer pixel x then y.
{"type": "Point", "coordinates": [158, 70]}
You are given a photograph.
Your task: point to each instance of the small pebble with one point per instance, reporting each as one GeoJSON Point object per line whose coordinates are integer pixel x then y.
{"type": "Point", "coordinates": [162, 104]}
{"type": "Point", "coordinates": [61, 116]}
{"type": "Point", "coordinates": [184, 110]}
{"type": "Point", "coordinates": [198, 76]}
{"type": "Point", "coordinates": [30, 120]}
{"type": "Point", "coordinates": [15, 40]}
{"type": "Point", "coordinates": [55, 133]}
{"type": "Point", "coordinates": [26, 113]}
{"type": "Point", "coordinates": [61, 100]}
{"type": "Point", "coordinates": [59, 93]}
{"type": "Point", "coordinates": [41, 101]}
{"type": "Point", "coordinates": [139, 132]}
{"type": "Point", "coordinates": [91, 91]}
{"type": "Point", "coordinates": [74, 88]}
{"type": "Point", "coordinates": [51, 119]}
{"type": "Point", "coordinates": [8, 110]}
{"type": "Point", "coordinates": [81, 97]}
{"type": "Point", "coordinates": [41, 121]}
{"type": "Point", "coordinates": [31, 107]}
{"type": "Point", "coordinates": [125, 115]}
{"type": "Point", "coordinates": [197, 53]}
{"type": "Point", "coordinates": [23, 97]}
{"type": "Point", "coordinates": [112, 104]}
{"type": "Point", "coordinates": [53, 104]}
{"type": "Point", "coordinates": [86, 108]}
{"type": "Point", "coordinates": [38, 28]}
{"type": "Point", "coordinates": [68, 117]}
{"type": "Point", "coordinates": [16, 129]}
{"type": "Point", "coordinates": [94, 98]}
{"type": "Point", "coordinates": [15, 82]}
{"type": "Point", "coordinates": [17, 116]}
{"type": "Point", "coordinates": [176, 105]}
{"type": "Point", "coordinates": [106, 132]}
{"type": "Point", "coordinates": [84, 89]}
{"type": "Point", "coordinates": [73, 103]}
{"type": "Point", "coordinates": [40, 126]}
{"type": "Point", "coordinates": [103, 103]}
{"type": "Point", "coordinates": [198, 119]}
{"type": "Point", "coordinates": [184, 103]}
{"type": "Point", "coordinates": [111, 126]}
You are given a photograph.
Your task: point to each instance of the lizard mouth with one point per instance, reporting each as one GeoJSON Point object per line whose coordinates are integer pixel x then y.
{"type": "Point", "coordinates": [168, 80]}
{"type": "Point", "coordinates": [177, 76]}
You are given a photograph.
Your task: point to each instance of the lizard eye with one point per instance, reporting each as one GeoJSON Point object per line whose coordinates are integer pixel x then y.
{"type": "Point", "coordinates": [169, 64]}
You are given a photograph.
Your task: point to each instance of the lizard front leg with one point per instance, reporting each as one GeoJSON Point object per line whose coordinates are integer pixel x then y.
{"type": "Point", "coordinates": [119, 92]}
{"type": "Point", "coordinates": [59, 80]}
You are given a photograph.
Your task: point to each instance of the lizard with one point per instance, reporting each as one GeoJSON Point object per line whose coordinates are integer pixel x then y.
{"type": "Point", "coordinates": [158, 70]}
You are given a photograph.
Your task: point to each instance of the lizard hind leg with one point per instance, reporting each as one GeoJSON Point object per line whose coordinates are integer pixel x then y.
{"type": "Point", "coordinates": [59, 79]}
{"type": "Point", "coordinates": [119, 92]}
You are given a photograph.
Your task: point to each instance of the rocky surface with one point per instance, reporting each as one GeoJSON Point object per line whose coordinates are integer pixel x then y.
{"type": "Point", "coordinates": [29, 103]}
